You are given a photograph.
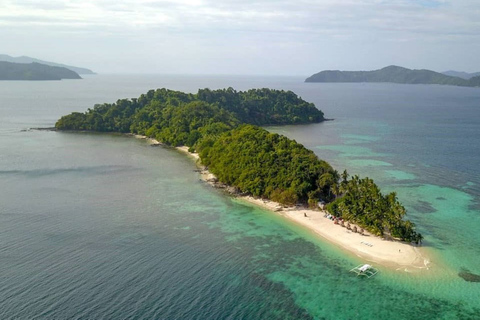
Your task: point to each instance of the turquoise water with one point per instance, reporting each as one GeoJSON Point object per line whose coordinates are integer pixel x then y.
{"type": "Point", "coordinates": [104, 226]}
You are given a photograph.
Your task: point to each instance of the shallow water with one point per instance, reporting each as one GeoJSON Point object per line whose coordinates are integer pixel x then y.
{"type": "Point", "coordinates": [104, 226]}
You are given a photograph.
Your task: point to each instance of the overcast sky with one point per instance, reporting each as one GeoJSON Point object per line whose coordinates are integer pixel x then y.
{"type": "Point", "coordinates": [293, 37]}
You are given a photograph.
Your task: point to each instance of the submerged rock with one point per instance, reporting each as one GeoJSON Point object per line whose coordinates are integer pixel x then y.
{"type": "Point", "coordinates": [42, 129]}
{"type": "Point", "coordinates": [468, 276]}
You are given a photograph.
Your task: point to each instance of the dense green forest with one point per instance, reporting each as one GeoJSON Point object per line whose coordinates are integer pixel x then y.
{"type": "Point", "coordinates": [34, 71]}
{"type": "Point", "coordinates": [222, 125]}
{"type": "Point", "coordinates": [267, 165]}
{"type": "Point", "coordinates": [392, 74]}
{"type": "Point", "coordinates": [156, 111]}
{"type": "Point", "coordinates": [360, 201]}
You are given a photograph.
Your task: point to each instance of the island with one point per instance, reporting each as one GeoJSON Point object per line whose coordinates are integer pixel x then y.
{"type": "Point", "coordinates": [221, 129]}
{"type": "Point", "coordinates": [34, 71]}
{"type": "Point", "coordinates": [25, 59]}
{"type": "Point", "coordinates": [393, 74]}
{"type": "Point", "coordinates": [461, 74]}
{"type": "Point", "coordinates": [474, 81]}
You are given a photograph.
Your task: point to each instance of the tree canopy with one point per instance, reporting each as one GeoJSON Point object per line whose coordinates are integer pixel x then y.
{"type": "Point", "coordinates": [363, 203]}
{"type": "Point", "coordinates": [255, 106]}
{"type": "Point", "coordinates": [266, 164]}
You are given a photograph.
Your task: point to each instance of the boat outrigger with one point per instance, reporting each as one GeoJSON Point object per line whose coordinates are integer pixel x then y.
{"type": "Point", "coordinates": [365, 270]}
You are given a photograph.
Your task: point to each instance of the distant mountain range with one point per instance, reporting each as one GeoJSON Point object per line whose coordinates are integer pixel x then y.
{"type": "Point", "coordinates": [461, 74]}
{"type": "Point", "coordinates": [393, 74]}
{"type": "Point", "coordinates": [24, 59]}
{"type": "Point", "coordinates": [34, 71]}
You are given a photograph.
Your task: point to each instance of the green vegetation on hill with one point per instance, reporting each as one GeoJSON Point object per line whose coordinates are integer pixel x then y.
{"type": "Point", "coordinates": [34, 71]}
{"type": "Point", "coordinates": [267, 165]}
{"type": "Point", "coordinates": [392, 74]}
{"type": "Point", "coordinates": [361, 202]}
{"type": "Point", "coordinates": [264, 106]}
{"type": "Point", "coordinates": [222, 126]}
{"type": "Point", "coordinates": [155, 111]}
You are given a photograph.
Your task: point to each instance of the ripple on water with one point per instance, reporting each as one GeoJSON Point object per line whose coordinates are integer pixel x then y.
{"type": "Point", "coordinates": [400, 175]}
{"type": "Point", "coordinates": [368, 163]}
{"type": "Point", "coordinates": [351, 151]}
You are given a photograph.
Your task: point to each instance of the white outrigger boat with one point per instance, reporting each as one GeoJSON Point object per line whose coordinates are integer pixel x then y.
{"type": "Point", "coordinates": [365, 270]}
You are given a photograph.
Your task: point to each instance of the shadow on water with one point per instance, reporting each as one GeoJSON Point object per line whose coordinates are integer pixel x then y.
{"type": "Point", "coordinates": [284, 300]}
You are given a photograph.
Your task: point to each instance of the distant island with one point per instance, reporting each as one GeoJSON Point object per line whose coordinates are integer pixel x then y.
{"type": "Point", "coordinates": [461, 74]}
{"type": "Point", "coordinates": [393, 74]}
{"type": "Point", "coordinates": [25, 59]}
{"type": "Point", "coordinates": [34, 71]}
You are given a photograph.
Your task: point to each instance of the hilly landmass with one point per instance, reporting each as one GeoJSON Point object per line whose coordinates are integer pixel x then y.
{"type": "Point", "coordinates": [393, 74]}
{"type": "Point", "coordinates": [25, 59]}
{"type": "Point", "coordinates": [475, 81]}
{"type": "Point", "coordinates": [34, 71]}
{"type": "Point", "coordinates": [461, 74]}
{"type": "Point", "coordinates": [223, 127]}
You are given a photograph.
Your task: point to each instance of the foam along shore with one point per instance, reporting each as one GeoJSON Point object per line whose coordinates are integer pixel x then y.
{"type": "Point", "coordinates": [391, 254]}
{"type": "Point", "coordinates": [150, 141]}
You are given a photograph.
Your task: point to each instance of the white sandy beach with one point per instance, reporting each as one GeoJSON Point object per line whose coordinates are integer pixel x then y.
{"type": "Point", "coordinates": [391, 254]}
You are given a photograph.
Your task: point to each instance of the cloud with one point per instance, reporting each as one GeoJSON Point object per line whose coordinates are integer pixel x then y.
{"type": "Point", "coordinates": [300, 17]}
{"type": "Point", "coordinates": [249, 28]}
{"type": "Point", "coordinates": [41, 5]}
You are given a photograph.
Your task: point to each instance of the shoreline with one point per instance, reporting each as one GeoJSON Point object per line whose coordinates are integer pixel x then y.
{"type": "Point", "coordinates": [394, 255]}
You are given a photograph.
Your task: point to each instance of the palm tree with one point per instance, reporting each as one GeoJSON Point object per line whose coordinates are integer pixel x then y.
{"type": "Point", "coordinates": [336, 175]}
{"type": "Point", "coordinates": [418, 238]}
{"type": "Point", "coordinates": [345, 176]}
{"type": "Point", "coordinates": [344, 182]}
{"type": "Point", "coordinates": [335, 190]}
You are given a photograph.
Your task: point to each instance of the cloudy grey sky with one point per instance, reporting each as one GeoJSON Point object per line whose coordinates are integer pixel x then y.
{"type": "Point", "coordinates": [293, 37]}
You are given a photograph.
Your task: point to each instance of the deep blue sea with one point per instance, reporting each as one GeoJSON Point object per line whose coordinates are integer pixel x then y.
{"type": "Point", "coordinates": [100, 226]}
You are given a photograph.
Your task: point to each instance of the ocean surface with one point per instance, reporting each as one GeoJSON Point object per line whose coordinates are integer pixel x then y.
{"type": "Point", "coordinates": [103, 226]}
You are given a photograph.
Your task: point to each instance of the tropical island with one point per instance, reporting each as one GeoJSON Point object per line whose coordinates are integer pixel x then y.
{"type": "Point", "coordinates": [34, 71]}
{"type": "Point", "coordinates": [25, 59]}
{"type": "Point", "coordinates": [394, 74]}
{"type": "Point", "coordinates": [221, 127]}
{"type": "Point", "coordinates": [461, 74]}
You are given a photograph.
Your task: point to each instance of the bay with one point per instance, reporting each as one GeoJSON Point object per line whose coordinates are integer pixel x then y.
{"type": "Point", "coordinates": [105, 226]}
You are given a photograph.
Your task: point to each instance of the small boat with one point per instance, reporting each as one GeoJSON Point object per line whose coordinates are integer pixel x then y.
{"type": "Point", "coordinates": [365, 270]}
